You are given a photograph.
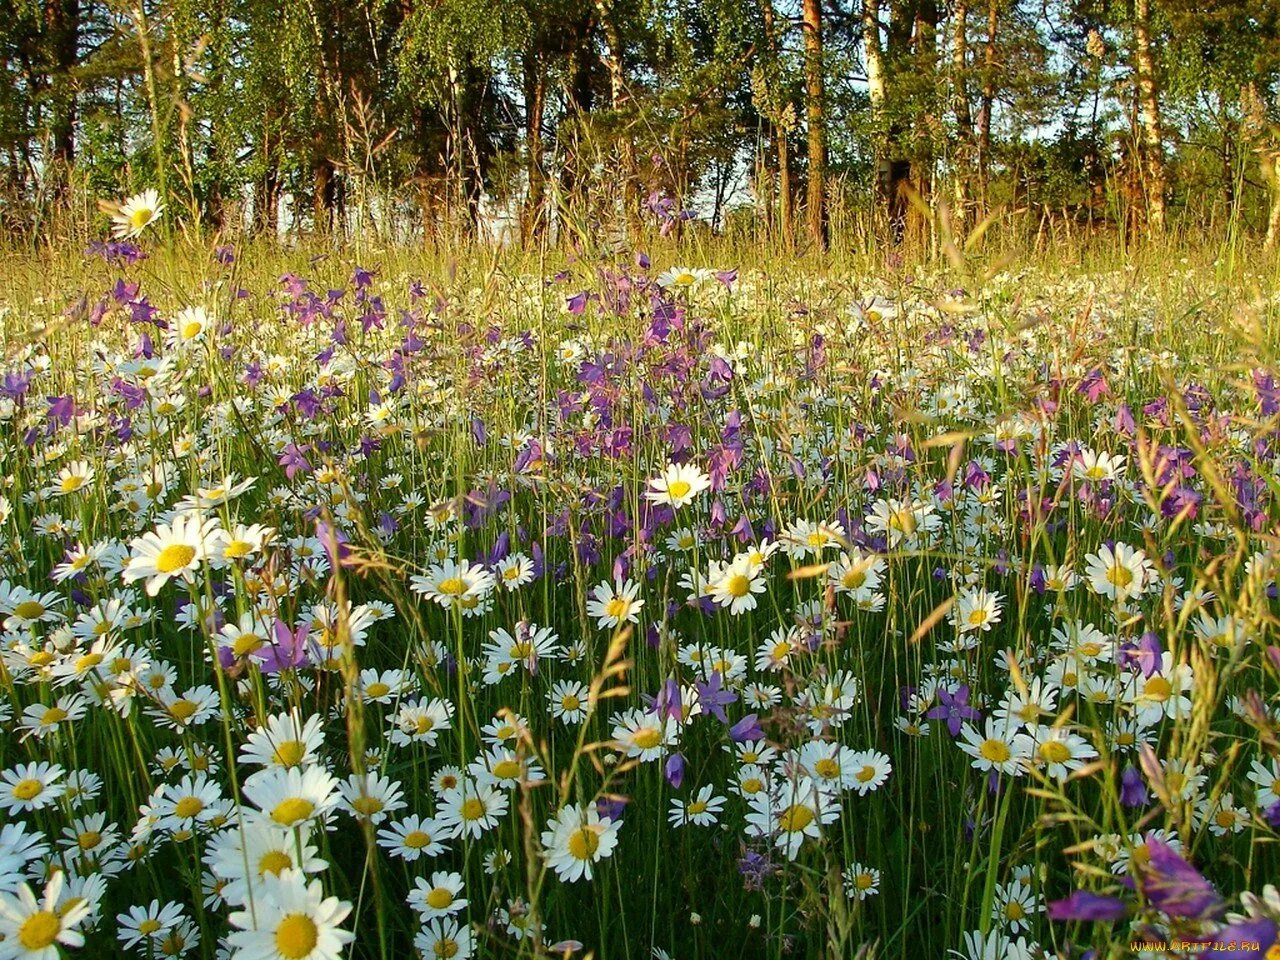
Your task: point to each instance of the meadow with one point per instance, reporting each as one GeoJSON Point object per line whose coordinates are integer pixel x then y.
{"type": "Point", "coordinates": [381, 603]}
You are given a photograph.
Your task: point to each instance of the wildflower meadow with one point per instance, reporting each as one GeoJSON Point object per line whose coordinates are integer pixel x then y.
{"type": "Point", "coordinates": [380, 606]}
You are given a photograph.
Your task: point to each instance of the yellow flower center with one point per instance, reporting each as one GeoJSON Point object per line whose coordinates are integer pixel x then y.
{"type": "Point", "coordinates": [140, 217]}
{"type": "Point", "coordinates": [863, 881]}
{"type": "Point", "coordinates": [866, 774]}
{"type": "Point", "coordinates": [1055, 751]}
{"type": "Point", "coordinates": [417, 839]}
{"type": "Point", "coordinates": [997, 751]}
{"type": "Point", "coordinates": [678, 488]}
{"type": "Point", "coordinates": [854, 578]}
{"type": "Point", "coordinates": [88, 662]}
{"type": "Point", "coordinates": [739, 585]}
{"type": "Point", "coordinates": [506, 769]}
{"type": "Point", "coordinates": [188, 807]}
{"type": "Point", "coordinates": [291, 811]}
{"type": "Point", "coordinates": [149, 926]}
{"type": "Point", "coordinates": [752, 785]}
{"type": "Point", "coordinates": [1118, 575]}
{"type": "Point", "coordinates": [29, 610]}
{"type": "Point", "coordinates": [1225, 819]}
{"type": "Point", "coordinates": [192, 329]}
{"type": "Point", "coordinates": [827, 768]}
{"type": "Point", "coordinates": [617, 607]}
{"type": "Point", "coordinates": [439, 898]}
{"type": "Point", "coordinates": [273, 862]}
{"type": "Point", "coordinates": [182, 709]}
{"type": "Point", "coordinates": [367, 806]}
{"type": "Point", "coordinates": [795, 818]}
{"type": "Point", "coordinates": [296, 936]}
{"type": "Point", "coordinates": [53, 715]}
{"type": "Point", "coordinates": [174, 557]}
{"type": "Point", "coordinates": [28, 789]}
{"type": "Point", "coordinates": [570, 703]}
{"type": "Point", "coordinates": [1158, 689]}
{"type": "Point", "coordinates": [453, 587]}
{"type": "Point", "coordinates": [445, 948]}
{"type": "Point", "coordinates": [289, 753]}
{"type": "Point", "coordinates": [1013, 910]}
{"type": "Point", "coordinates": [648, 738]}
{"type": "Point", "coordinates": [39, 930]}
{"type": "Point", "coordinates": [237, 549]}
{"type": "Point", "coordinates": [583, 843]}
{"type": "Point", "coordinates": [473, 809]}
{"type": "Point", "coordinates": [89, 839]}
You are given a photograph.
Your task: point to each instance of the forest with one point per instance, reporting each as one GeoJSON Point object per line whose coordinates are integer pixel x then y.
{"type": "Point", "coordinates": [769, 118]}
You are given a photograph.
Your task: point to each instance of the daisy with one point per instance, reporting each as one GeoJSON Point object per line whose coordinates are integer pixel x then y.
{"type": "Point", "coordinates": [1224, 817]}
{"type": "Point", "coordinates": [570, 701]}
{"type": "Point", "coordinates": [1060, 752]}
{"type": "Point", "coordinates": [976, 610]}
{"type": "Point", "coordinates": [284, 741]}
{"type": "Point", "coordinates": [189, 325]}
{"type": "Point", "coordinates": [1163, 694]}
{"type": "Point", "coordinates": [72, 479]}
{"type": "Point", "coordinates": [576, 839]}
{"type": "Point", "coordinates": [861, 882]}
{"type": "Point", "coordinates": [791, 812]}
{"type": "Point", "coordinates": [150, 922]}
{"type": "Point", "coordinates": [1015, 906]}
{"type": "Point", "coordinates": [514, 571]}
{"type": "Point", "coordinates": [703, 810]}
{"type": "Point", "coordinates": [468, 810]}
{"type": "Point", "coordinates": [1095, 466]}
{"type": "Point", "coordinates": [172, 550]}
{"type": "Point", "coordinates": [1267, 779]}
{"type": "Point", "coordinates": [871, 770]}
{"type": "Point", "coordinates": [1118, 572]}
{"type": "Point", "coordinates": [289, 797]}
{"type": "Point", "coordinates": [411, 838]}
{"type": "Point", "coordinates": [643, 736]}
{"type": "Point", "coordinates": [240, 858]}
{"type": "Point", "coordinates": [737, 586]}
{"type": "Point", "coordinates": [999, 748]}
{"type": "Point", "coordinates": [615, 604]}
{"type": "Point", "coordinates": [420, 722]}
{"type": "Point", "coordinates": [437, 897]}
{"type": "Point", "coordinates": [445, 937]}
{"type": "Point", "coordinates": [137, 213]}
{"type": "Point", "coordinates": [30, 786]}
{"type": "Point", "coordinates": [292, 920]}
{"type": "Point", "coordinates": [19, 847]}
{"type": "Point", "coordinates": [371, 796]}
{"type": "Point", "coordinates": [682, 278]}
{"type": "Point", "coordinates": [32, 929]}
{"type": "Point", "coordinates": [677, 485]}
{"type": "Point", "coordinates": [453, 583]}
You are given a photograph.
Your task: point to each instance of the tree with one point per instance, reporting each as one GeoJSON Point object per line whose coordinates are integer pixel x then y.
{"type": "Point", "coordinates": [815, 193]}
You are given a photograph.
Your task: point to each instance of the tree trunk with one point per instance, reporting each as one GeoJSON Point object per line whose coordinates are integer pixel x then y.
{"type": "Point", "coordinates": [62, 21]}
{"type": "Point", "coordinates": [1269, 162]}
{"type": "Point", "coordinates": [782, 148]}
{"type": "Point", "coordinates": [618, 97]}
{"type": "Point", "coordinates": [815, 197]}
{"type": "Point", "coordinates": [874, 55]}
{"type": "Point", "coordinates": [988, 100]}
{"type": "Point", "coordinates": [1149, 113]}
{"type": "Point", "coordinates": [535, 87]}
{"type": "Point", "coordinates": [963, 157]}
